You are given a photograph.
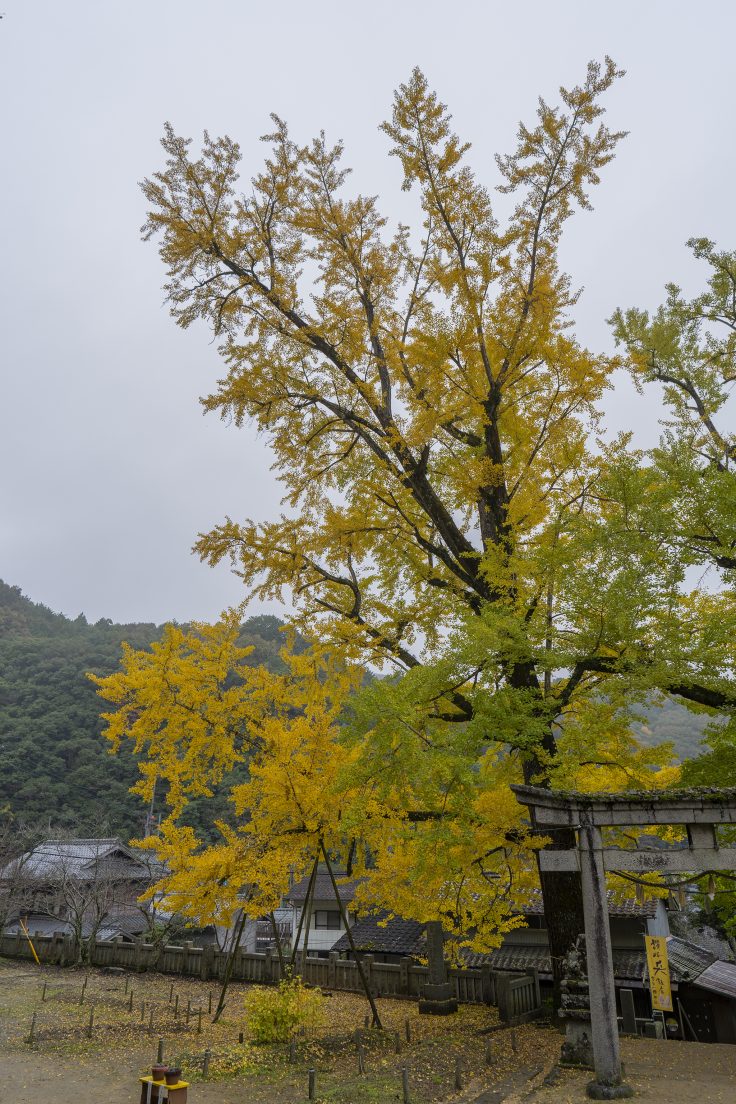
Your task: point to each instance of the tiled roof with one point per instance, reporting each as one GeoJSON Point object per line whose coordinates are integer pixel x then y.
{"type": "Point", "coordinates": [627, 965]}
{"type": "Point", "coordinates": [125, 923]}
{"type": "Point", "coordinates": [76, 858]}
{"type": "Point", "coordinates": [688, 959]}
{"type": "Point", "coordinates": [719, 977]}
{"type": "Point", "coordinates": [38, 923]}
{"type": "Point", "coordinates": [617, 906]}
{"type": "Point", "coordinates": [323, 890]}
{"type": "Point", "coordinates": [382, 935]}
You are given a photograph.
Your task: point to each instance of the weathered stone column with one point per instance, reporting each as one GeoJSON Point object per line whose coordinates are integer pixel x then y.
{"type": "Point", "coordinates": [437, 999]}
{"type": "Point", "coordinates": [607, 1084]}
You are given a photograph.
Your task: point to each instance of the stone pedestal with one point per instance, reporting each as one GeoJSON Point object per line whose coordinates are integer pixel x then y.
{"type": "Point", "coordinates": [438, 999]}
{"type": "Point", "coordinates": [577, 1049]}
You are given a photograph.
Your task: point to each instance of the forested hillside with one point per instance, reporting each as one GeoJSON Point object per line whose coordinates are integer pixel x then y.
{"type": "Point", "coordinates": [55, 769]}
{"type": "Point", "coordinates": [668, 721]}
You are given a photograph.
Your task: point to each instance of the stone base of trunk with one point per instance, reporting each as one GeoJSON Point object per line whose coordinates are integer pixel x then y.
{"type": "Point", "coordinates": [603, 1090]}
{"type": "Point", "coordinates": [438, 1000]}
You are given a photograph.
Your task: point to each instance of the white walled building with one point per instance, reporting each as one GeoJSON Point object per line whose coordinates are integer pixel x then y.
{"type": "Point", "coordinates": [325, 923]}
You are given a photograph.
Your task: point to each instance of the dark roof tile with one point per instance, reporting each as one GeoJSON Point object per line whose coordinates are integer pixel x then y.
{"type": "Point", "coordinates": [323, 890]}
{"type": "Point", "coordinates": [383, 934]}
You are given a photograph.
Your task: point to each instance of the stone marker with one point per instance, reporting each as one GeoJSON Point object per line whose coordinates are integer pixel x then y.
{"type": "Point", "coordinates": [628, 1014]}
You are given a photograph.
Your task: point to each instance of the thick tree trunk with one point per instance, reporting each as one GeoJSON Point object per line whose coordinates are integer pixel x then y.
{"type": "Point", "coordinates": [562, 899]}
{"type": "Point", "coordinates": [562, 894]}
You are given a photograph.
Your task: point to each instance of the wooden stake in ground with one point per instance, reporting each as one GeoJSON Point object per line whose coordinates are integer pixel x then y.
{"type": "Point", "coordinates": [307, 899]}
{"type": "Point", "coordinates": [32, 1032]}
{"type": "Point", "coordinates": [458, 1074]}
{"type": "Point", "coordinates": [292, 1050]}
{"type": "Point", "coordinates": [206, 1062]}
{"type": "Point", "coordinates": [279, 948]}
{"type": "Point", "coordinates": [361, 1058]}
{"type": "Point", "coordinates": [397, 1042]}
{"type": "Point", "coordinates": [176, 1007]}
{"type": "Point", "coordinates": [43, 994]}
{"type": "Point", "coordinates": [189, 1010]}
{"type": "Point", "coordinates": [130, 1001]}
{"type": "Point", "coordinates": [405, 1085]}
{"type": "Point", "coordinates": [160, 1052]}
{"type": "Point", "coordinates": [150, 1021]}
{"type": "Point", "coordinates": [356, 955]}
{"type": "Point", "coordinates": [91, 1023]}
{"type": "Point", "coordinates": [171, 992]}
{"type": "Point", "coordinates": [209, 1003]}
{"type": "Point", "coordinates": [312, 1083]}
{"type": "Point", "coordinates": [199, 1021]}
{"type": "Point", "coordinates": [407, 1029]}
{"type": "Point", "coordinates": [229, 964]}
{"type": "Point", "coordinates": [489, 1053]}
{"type": "Point", "coordinates": [125, 991]}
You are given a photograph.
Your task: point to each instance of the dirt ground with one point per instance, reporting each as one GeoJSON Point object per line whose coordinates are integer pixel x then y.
{"type": "Point", "coordinates": [660, 1072]}
{"type": "Point", "coordinates": [64, 1066]}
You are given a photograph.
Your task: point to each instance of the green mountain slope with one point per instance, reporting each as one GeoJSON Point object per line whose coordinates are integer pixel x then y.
{"type": "Point", "coordinates": [54, 765]}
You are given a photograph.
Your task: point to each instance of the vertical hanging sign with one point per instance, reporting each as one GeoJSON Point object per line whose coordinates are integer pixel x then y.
{"type": "Point", "coordinates": [659, 973]}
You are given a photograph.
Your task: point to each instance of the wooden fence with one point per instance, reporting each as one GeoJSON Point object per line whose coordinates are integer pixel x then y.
{"type": "Point", "coordinates": [516, 995]}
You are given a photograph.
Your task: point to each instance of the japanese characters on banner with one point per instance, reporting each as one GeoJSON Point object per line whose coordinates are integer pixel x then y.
{"type": "Point", "coordinates": [659, 972]}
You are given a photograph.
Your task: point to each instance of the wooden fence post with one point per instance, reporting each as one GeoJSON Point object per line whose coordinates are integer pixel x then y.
{"type": "Point", "coordinates": [534, 974]}
{"type": "Point", "coordinates": [486, 984]}
{"type": "Point", "coordinates": [275, 966]}
{"type": "Point", "coordinates": [404, 967]}
{"type": "Point", "coordinates": [368, 968]}
{"type": "Point", "coordinates": [503, 997]}
{"type": "Point", "coordinates": [332, 970]}
{"type": "Point", "coordinates": [206, 963]}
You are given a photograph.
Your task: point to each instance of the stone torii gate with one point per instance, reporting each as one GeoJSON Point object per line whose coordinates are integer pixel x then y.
{"type": "Point", "coordinates": [700, 810]}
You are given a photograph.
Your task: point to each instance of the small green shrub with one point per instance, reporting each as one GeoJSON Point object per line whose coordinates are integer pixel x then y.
{"type": "Point", "coordinates": [274, 1015]}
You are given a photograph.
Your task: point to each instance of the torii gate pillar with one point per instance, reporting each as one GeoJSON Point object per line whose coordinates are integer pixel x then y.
{"type": "Point", "coordinates": [601, 986]}
{"type": "Point", "coordinates": [701, 811]}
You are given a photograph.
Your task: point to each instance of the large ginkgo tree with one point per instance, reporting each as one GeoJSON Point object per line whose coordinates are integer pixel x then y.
{"type": "Point", "coordinates": [452, 517]}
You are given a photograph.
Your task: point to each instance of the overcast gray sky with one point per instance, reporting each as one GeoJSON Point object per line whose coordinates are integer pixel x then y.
{"type": "Point", "coordinates": [109, 469]}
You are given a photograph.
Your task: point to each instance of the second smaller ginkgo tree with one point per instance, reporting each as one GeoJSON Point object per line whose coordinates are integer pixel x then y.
{"type": "Point", "coordinates": [435, 839]}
